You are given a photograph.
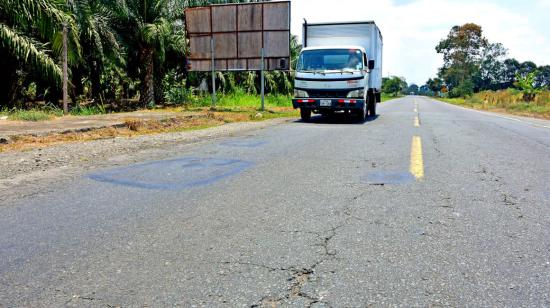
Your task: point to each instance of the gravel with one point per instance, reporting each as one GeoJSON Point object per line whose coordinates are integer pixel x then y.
{"type": "Point", "coordinates": [29, 169]}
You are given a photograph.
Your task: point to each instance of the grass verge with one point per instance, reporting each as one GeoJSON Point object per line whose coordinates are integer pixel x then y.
{"type": "Point", "coordinates": [30, 115]}
{"type": "Point", "coordinates": [135, 127]}
{"type": "Point", "coordinates": [387, 97]}
{"type": "Point", "coordinates": [506, 101]}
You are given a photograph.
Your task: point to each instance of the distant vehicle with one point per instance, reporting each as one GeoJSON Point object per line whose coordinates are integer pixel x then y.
{"type": "Point", "coordinates": [339, 69]}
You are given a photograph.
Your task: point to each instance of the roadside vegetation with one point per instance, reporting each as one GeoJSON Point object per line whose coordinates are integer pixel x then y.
{"type": "Point", "coordinates": [476, 73]}
{"type": "Point", "coordinates": [190, 119]}
{"type": "Point", "coordinates": [509, 100]}
{"type": "Point", "coordinates": [123, 55]}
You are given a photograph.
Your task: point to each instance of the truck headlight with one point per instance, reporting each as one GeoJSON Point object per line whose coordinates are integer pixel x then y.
{"type": "Point", "coordinates": [356, 94]}
{"type": "Point", "coordinates": [300, 93]}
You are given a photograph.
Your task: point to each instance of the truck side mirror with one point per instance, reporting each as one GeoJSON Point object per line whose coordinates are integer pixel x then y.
{"type": "Point", "coordinates": [371, 64]}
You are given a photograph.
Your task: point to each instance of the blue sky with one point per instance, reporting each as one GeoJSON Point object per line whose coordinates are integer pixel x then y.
{"type": "Point", "coordinates": [412, 28]}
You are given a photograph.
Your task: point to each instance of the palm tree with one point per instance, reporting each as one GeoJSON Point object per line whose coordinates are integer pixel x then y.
{"type": "Point", "coordinates": [98, 40]}
{"type": "Point", "coordinates": [143, 26]}
{"type": "Point", "coordinates": [30, 34]}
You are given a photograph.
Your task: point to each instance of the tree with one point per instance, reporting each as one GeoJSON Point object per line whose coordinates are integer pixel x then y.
{"type": "Point", "coordinates": [99, 44]}
{"type": "Point", "coordinates": [144, 28]}
{"type": "Point", "coordinates": [491, 68]}
{"type": "Point", "coordinates": [462, 52]}
{"type": "Point", "coordinates": [435, 85]}
{"type": "Point", "coordinates": [527, 84]}
{"type": "Point", "coordinates": [393, 85]}
{"type": "Point", "coordinates": [526, 68]}
{"type": "Point", "coordinates": [425, 90]}
{"type": "Point", "coordinates": [510, 70]}
{"type": "Point", "coordinates": [295, 48]}
{"type": "Point", "coordinates": [543, 78]}
{"type": "Point", "coordinates": [31, 40]}
{"type": "Point", "coordinates": [413, 88]}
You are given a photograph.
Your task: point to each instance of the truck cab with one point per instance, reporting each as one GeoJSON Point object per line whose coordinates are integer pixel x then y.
{"type": "Point", "coordinates": [339, 77]}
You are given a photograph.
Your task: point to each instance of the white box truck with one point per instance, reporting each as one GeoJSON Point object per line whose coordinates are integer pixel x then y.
{"type": "Point", "coordinates": [339, 69]}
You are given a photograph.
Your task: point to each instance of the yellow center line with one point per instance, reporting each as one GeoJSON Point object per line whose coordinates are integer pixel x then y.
{"type": "Point", "coordinates": [417, 161]}
{"type": "Point", "coordinates": [416, 121]}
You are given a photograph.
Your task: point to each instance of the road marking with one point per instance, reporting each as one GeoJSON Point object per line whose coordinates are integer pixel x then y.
{"type": "Point", "coordinates": [417, 161]}
{"type": "Point", "coordinates": [416, 121]}
{"type": "Point", "coordinates": [514, 119]}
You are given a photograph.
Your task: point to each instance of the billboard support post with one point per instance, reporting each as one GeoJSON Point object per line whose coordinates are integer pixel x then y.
{"type": "Point", "coordinates": [214, 98]}
{"type": "Point", "coordinates": [262, 80]}
{"type": "Point", "coordinates": [252, 36]}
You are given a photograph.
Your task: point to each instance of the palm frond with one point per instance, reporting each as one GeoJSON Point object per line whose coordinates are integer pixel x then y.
{"type": "Point", "coordinates": [47, 18]}
{"type": "Point", "coordinates": [25, 49]}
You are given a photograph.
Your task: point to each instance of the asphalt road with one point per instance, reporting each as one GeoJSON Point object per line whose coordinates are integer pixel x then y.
{"type": "Point", "coordinates": [448, 209]}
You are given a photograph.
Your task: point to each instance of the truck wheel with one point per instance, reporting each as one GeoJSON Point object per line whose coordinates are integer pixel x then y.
{"type": "Point", "coordinates": [372, 106]}
{"type": "Point", "coordinates": [305, 114]}
{"type": "Point", "coordinates": [362, 113]}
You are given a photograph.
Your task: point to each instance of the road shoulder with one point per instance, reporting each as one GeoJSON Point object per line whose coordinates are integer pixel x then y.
{"type": "Point", "coordinates": [28, 172]}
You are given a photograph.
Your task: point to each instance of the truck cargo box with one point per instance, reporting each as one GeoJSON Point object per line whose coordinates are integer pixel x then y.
{"type": "Point", "coordinates": [365, 34]}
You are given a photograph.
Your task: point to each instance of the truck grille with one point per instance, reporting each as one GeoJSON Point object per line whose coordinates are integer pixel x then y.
{"type": "Point", "coordinates": [327, 93]}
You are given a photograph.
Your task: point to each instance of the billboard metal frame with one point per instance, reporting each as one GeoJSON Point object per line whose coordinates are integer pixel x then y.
{"type": "Point", "coordinates": [211, 33]}
{"type": "Point", "coordinates": [261, 57]}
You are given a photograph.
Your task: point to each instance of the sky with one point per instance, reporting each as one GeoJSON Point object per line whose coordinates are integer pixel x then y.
{"type": "Point", "coordinates": [412, 28]}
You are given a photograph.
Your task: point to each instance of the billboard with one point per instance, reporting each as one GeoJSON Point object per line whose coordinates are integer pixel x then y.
{"type": "Point", "coordinates": [239, 32]}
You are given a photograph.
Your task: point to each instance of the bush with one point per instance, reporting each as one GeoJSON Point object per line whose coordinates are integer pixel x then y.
{"type": "Point", "coordinates": [88, 110]}
{"type": "Point", "coordinates": [464, 89]}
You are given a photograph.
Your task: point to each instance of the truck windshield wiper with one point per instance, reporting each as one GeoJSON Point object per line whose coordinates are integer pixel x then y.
{"type": "Point", "coordinates": [348, 71]}
{"type": "Point", "coordinates": [314, 72]}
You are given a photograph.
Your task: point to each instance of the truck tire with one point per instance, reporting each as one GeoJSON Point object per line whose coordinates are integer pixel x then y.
{"type": "Point", "coordinates": [305, 114]}
{"type": "Point", "coordinates": [362, 113]}
{"type": "Point", "coordinates": [372, 106]}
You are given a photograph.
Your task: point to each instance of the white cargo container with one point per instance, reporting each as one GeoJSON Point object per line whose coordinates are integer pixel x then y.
{"type": "Point", "coordinates": [339, 69]}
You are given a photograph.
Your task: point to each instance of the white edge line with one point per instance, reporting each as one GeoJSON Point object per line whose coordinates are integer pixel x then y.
{"type": "Point", "coordinates": [493, 114]}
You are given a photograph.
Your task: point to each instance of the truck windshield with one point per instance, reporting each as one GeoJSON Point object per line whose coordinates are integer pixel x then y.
{"type": "Point", "coordinates": [330, 59]}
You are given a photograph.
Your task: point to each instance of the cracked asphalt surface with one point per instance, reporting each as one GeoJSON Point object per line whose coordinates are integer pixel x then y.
{"type": "Point", "coordinates": [287, 216]}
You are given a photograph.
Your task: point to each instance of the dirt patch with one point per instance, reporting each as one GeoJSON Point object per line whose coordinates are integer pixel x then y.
{"type": "Point", "coordinates": [132, 127]}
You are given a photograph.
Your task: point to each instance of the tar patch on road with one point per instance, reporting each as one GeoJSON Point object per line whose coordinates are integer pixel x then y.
{"type": "Point", "coordinates": [385, 177]}
{"type": "Point", "coordinates": [176, 174]}
{"type": "Point", "coordinates": [244, 143]}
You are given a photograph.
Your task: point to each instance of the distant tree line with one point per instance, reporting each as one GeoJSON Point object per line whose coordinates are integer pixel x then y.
{"type": "Point", "coordinates": [472, 64]}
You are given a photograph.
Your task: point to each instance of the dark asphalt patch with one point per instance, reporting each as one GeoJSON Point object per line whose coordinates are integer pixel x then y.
{"type": "Point", "coordinates": [244, 143]}
{"type": "Point", "coordinates": [174, 174]}
{"type": "Point", "coordinates": [385, 177]}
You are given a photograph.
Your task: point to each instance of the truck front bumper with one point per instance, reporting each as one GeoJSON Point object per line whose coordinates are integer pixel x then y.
{"type": "Point", "coordinates": [329, 103]}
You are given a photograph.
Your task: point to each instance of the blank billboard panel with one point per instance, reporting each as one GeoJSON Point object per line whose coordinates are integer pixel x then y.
{"type": "Point", "coordinates": [239, 32]}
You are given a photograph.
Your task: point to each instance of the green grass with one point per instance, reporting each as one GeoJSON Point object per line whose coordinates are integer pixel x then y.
{"type": "Point", "coordinates": [88, 110]}
{"type": "Point", "coordinates": [455, 101]}
{"type": "Point", "coordinates": [530, 108]}
{"type": "Point", "coordinates": [48, 113]}
{"type": "Point", "coordinates": [388, 97]}
{"type": "Point", "coordinates": [240, 99]}
{"type": "Point", "coordinates": [510, 101]}
{"type": "Point", "coordinates": [31, 115]}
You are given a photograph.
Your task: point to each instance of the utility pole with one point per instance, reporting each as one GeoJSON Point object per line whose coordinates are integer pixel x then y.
{"type": "Point", "coordinates": [65, 77]}
{"type": "Point", "coordinates": [262, 80]}
{"type": "Point", "coordinates": [213, 64]}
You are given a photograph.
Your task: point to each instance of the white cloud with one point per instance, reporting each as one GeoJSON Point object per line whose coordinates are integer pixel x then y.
{"type": "Point", "coordinates": [412, 31]}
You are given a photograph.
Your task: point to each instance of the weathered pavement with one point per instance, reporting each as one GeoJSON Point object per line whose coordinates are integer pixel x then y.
{"type": "Point", "coordinates": [291, 216]}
